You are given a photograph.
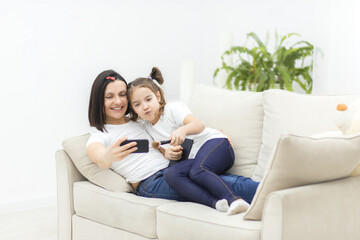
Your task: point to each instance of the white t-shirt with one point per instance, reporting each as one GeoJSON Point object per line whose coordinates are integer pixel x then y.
{"type": "Point", "coordinates": [172, 119]}
{"type": "Point", "coordinates": [136, 166]}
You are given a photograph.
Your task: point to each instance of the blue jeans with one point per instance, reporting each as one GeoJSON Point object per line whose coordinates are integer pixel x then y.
{"type": "Point", "coordinates": [199, 179]}
{"type": "Point", "coordinates": [242, 186]}
{"type": "Point", "coordinates": [155, 186]}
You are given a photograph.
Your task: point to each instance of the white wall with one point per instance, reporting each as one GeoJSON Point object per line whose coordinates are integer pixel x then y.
{"type": "Point", "coordinates": [261, 16]}
{"type": "Point", "coordinates": [51, 51]}
{"type": "Point", "coordinates": [337, 36]}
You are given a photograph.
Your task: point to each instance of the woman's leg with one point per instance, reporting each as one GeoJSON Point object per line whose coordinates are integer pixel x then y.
{"type": "Point", "coordinates": [155, 186]}
{"type": "Point", "coordinates": [242, 186]}
{"type": "Point", "coordinates": [214, 158]}
{"type": "Point", "coordinates": [177, 176]}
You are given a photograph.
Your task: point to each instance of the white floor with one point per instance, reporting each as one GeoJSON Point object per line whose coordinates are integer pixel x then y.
{"type": "Point", "coordinates": [36, 224]}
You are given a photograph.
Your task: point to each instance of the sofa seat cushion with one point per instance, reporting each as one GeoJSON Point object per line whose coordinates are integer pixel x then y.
{"type": "Point", "coordinates": [121, 210]}
{"type": "Point", "coordinates": [89, 230]}
{"type": "Point", "coordinates": [185, 220]}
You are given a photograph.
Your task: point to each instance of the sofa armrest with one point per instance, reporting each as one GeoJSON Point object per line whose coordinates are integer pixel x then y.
{"type": "Point", "coordinates": [66, 174]}
{"type": "Point", "coordinates": [328, 210]}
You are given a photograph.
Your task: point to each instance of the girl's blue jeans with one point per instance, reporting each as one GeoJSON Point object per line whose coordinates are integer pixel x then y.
{"type": "Point", "coordinates": [198, 179]}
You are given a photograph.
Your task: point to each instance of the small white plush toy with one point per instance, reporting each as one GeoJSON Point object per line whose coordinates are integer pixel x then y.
{"type": "Point", "coordinates": [348, 117]}
{"type": "Point", "coordinates": [348, 121]}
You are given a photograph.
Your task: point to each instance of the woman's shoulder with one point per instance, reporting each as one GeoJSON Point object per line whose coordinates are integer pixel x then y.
{"type": "Point", "coordinates": [95, 131]}
{"type": "Point", "coordinates": [96, 136]}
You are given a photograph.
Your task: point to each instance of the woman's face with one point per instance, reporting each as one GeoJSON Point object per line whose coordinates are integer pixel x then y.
{"type": "Point", "coordinates": [115, 102]}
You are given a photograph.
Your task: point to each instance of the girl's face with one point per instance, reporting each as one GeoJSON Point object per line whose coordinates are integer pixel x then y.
{"type": "Point", "coordinates": [146, 104]}
{"type": "Point", "coordinates": [115, 102]}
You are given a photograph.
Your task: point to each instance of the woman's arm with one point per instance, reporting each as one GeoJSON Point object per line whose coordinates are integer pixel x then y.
{"type": "Point", "coordinates": [192, 125]}
{"type": "Point", "coordinates": [104, 157]}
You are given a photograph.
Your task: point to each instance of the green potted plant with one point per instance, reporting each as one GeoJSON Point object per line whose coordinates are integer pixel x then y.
{"type": "Point", "coordinates": [257, 69]}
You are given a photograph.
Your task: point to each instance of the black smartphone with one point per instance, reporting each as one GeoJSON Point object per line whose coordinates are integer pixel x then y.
{"type": "Point", "coordinates": [142, 145]}
{"type": "Point", "coordinates": [186, 145]}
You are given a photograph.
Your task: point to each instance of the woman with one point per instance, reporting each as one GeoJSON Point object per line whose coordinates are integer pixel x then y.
{"type": "Point", "coordinates": [110, 127]}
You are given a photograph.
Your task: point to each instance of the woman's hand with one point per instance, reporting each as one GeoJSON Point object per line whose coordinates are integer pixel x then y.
{"type": "Point", "coordinates": [173, 152]}
{"type": "Point", "coordinates": [104, 157]}
{"type": "Point", "coordinates": [115, 152]}
{"type": "Point", "coordinates": [178, 136]}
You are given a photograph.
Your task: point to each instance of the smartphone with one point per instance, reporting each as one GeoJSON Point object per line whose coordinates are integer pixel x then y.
{"type": "Point", "coordinates": [186, 145]}
{"type": "Point", "coordinates": [142, 145]}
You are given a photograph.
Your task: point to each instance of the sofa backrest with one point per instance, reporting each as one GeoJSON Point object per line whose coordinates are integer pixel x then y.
{"type": "Point", "coordinates": [239, 114]}
{"type": "Point", "coordinates": [254, 121]}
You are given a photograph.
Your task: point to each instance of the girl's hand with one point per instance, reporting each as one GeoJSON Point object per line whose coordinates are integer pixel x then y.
{"type": "Point", "coordinates": [178, 136]}
{"type": "Point", "coordinates": [191, 126]}
{"type": "Point", "coordinates": [173, 152]}
{"type": "Point", "coordinates": [226, 137]}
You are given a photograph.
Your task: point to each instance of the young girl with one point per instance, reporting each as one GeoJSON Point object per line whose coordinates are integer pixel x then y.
{"type": "Point", "coordinates": [211, 153]}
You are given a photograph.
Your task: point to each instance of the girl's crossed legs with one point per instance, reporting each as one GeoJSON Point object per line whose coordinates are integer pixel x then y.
{"type": "Point", "coordinates": [198, 179]}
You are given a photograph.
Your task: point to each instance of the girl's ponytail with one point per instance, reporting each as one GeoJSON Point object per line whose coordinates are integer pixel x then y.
{"type": "Point", "coordinates": [156, 75]}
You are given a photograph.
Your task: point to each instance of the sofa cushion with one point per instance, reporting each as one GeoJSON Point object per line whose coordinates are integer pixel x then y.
{"type": "Point", "coordinates": [83, 228]}
{"type": "Point", "coordinates": [289, 112]}
{"type": "Point", "coordinates": [106, 178]}
{"type": "Point", "coordinates": [125, 211]}
{"type": "Point", "coordinates": [192, 221]}
{"type": "Point", "coordinates": [239, 114]}
{"type": "Point", "coordinates": [300, 160]}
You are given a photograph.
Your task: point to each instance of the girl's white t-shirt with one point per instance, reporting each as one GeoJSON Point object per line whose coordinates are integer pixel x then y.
{"type": "Point", "coordinates": [136, 166]}
{"type": "Point", "coordinates": [173, 118]}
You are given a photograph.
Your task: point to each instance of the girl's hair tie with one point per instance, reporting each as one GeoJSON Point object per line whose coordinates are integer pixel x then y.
{"type": "Point", "coordinates": [111, 78]}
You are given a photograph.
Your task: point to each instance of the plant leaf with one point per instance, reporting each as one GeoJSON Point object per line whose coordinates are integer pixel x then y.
{"type": "Point", "coordinates": [256, 69]}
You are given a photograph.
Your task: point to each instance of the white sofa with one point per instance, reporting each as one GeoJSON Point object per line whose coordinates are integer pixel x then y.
{"type": "Point", "coordinates": [305, 192]}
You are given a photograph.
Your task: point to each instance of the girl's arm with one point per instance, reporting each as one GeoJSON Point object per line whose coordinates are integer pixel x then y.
{"type": "Point", "coordinates": [104, 157]}
{"type": "Point", "coordinates": [192, 125]}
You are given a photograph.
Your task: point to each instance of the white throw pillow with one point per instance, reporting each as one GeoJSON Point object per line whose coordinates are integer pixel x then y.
{"type": "Point", "coordinates": [289, 112]}
{"type": "Point", "coordinates": [75, 147]}
{"type": "Point", "coordinates": [300, 160]}
{"type": "Point", "coordinates": [239, 114]}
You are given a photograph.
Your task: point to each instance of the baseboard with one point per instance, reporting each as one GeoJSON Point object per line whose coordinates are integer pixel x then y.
{"type": "Point", "coordinates": [28, 204]}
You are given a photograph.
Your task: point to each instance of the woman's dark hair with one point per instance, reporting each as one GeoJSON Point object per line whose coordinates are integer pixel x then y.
{"type": "Point", "coordinates": [148, 82]}
{"type": "Point", "coordinates": [96, 112]}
